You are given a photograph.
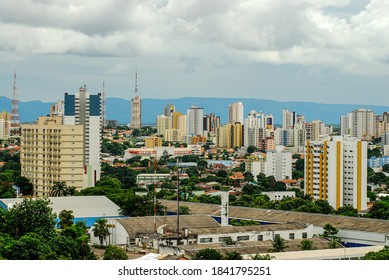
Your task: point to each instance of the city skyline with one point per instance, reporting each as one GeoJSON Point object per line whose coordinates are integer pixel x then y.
{"type": "Point", "coordinates": [325, 51]}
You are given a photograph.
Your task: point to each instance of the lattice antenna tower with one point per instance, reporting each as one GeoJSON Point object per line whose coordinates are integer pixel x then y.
{"type": "Point", "coordinates": [15, 125]}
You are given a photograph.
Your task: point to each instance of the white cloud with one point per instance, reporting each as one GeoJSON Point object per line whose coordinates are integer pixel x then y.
{"type": "Point", "coordinates": [300, 32]}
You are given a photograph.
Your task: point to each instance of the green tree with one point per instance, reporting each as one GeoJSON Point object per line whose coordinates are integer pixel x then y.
{"type": "Point", "coordinates": [100, 230]}
{"type": "Point", "coordinates": [59, 189]}
{"type": "Point", "coordinates": [24, 184]}
{"type": "Point", "coordinates": [30, 216]}
{"type": "Point", "coordinates": [233, 256]}
{"type": "Point", "coordinates": [379, 210]}
{"type": "Point", "coordinates": [347, 211]}
{"type": "Point", "coordinates": [114, 253]}
{"type": "Point", "coordinates": [380, 255]}
{"type": "Point", "coordinates": [385, 168]}
{"type": "Point", "coordinates": [258, 257]}
{"type": "Point", "coordinates": [184, 210]}
{"type": "Point", "coordinates": [306, 244]}
{"type": "Point", "coordinates": [279, 244]}
{"type": "Point", "coordinates": [329, 230]}
{"type": "Point", "coordinates": [65, 218]}
{"type": "Point", "coordinates": [208, 254]}
{"type": "Point", "coordinates": [325, 207]}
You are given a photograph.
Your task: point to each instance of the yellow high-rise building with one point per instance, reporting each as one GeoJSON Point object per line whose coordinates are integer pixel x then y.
{"type": "Point", "coordinates": [52, 152]}
{"type": "Point", "coordinates": [230, 135]}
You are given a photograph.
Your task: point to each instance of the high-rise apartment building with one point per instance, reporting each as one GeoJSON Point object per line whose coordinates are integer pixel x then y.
{"type": "Point", "coordinates": [153, 141]}
{"type": "Point", "coordinates": [5, 125]}
{"type": "Point", "coordinates": [359, 123]}
{"type": "Point", "coordinates": [255, 164]}
{"type": "Point", "coordinates": [279, 163]}
{"type": "Point", "coordinates": [136, 107]}
{"type": "Point", "coordinates": [229, 135]}
{"type": "Point", "coordinates": [163, 123]}
{"type": "Point", "coordinates": [254, 121]}
{"type": "Point", "coordinates": [288, 119]}
{"type": "Point", "coordinates": [51, 152]}
{"type": "Point", "coordinates": [57, 109]}
{"type": "Point", "coordinates": [211, 122]}
{"type": "Point", "coordinates": [194, 121]}
{"type": "Point", "coordinates": [336, 171]}
{"type": "Point", "coordinates": [83, 108]}
{"type": "Point", "coordinates": [235, 113]}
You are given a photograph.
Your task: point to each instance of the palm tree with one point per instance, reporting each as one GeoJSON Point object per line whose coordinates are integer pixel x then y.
{"type": "Point", "coordinates": [59, 189]}
{"type": "Point", "coordinates": [306, 245]}
{"type": "Point", "coordinates": [100, 229]}
{"type": "Point", "coordinates": [262, 257]}
{"type": "Point", "coordinates": [233, 256]}
{"type": "Point", "coordinates": [279, 245]}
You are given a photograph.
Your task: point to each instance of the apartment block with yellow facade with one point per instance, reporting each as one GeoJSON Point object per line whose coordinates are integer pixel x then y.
{"type": "Point", "coordinates": [336, 171]}
{"type": "Point", "coordinates": [52, 152]}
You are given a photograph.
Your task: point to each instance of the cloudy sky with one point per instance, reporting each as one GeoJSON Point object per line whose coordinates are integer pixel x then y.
{"type": "Point", "coordinates": [331, 51]}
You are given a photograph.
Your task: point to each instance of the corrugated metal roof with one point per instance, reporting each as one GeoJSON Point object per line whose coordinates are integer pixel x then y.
{"type": "Point", "coordinates": [245, 229]}
{"type": "Point", "coordinates": [145, 225]}
{"type": "Point", "coordinates": [278, 216]}
{"type": "Point", "coordinates": [82, 206]}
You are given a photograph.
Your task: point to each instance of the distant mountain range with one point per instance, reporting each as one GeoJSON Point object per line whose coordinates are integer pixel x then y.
{"type": "Point", "coordinates": [119, 108]}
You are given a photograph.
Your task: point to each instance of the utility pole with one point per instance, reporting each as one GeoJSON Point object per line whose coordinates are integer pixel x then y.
{"type": "Point", "coordinates": [155, 196]}
{"type": "Point", "coordinates": [178, 200]}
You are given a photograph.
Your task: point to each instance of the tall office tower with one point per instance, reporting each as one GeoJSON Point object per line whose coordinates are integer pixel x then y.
{"type": "Point", "coordinates": [229, 135]}
{"type": "Point", "coordinates": [278, 163]}
{"type": "Point", "coordinates": [336, 171]}
{"type": "Point", "coordinates": [136, 107]}
{"type": "Point", "coordinates": [361, 124]}
{"type": "Point", "coordinates": [163, 123]}
{"type": "Point", "coordinates": [15, 125]}
{"type": "Point", "coordinates": [288, 119]}
{"type": "Point", "coordinates": [57, 109]}
{"type": "Point", "coordinates": [83, 108]}
{"type": "Point", "coordinates": [103, 109]}
{"type": "Point", "coordinates": [52, 152]}
{"type": "Point", "coordinates": [235, 112]}
{"type": "Point", "coordinates": [211, 122]}
{"type": "Point", "coordinates": [194, 121]}
{"type": "Point", "coordinates": [254, 121]}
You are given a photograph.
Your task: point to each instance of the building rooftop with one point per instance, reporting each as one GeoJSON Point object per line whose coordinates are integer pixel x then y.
{"type": "Point", "coordinates": [145, 225]}
{"type": "Point", "coordinates": [279, 216]}
{"type": "Point", "coordinates": [82, 206]}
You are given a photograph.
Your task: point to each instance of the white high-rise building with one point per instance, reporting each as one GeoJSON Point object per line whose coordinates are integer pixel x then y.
{"type": "Point", "coordinates": [83, 108]}
{"type": "Point", "coordinates": [336, 171]}
{"type": "Point", "coordinates": [194, 121]}
{"type": "Point", "coordinates": [235, 112]}
{"type": "Point", "coordinates": [359, 123]}
{"type": "Point", "coordinates": [163, 123]}
{"type": "Point", "coordinates": [288, 119]}
{"type": "Point", "coordinates": [254, 121]}
{"type": "Point", "coordinates": [279, 163]}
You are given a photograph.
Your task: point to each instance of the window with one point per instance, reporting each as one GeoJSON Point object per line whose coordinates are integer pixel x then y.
{"type": "Point", "coordinates": [260, 237]}
{"type": "Point", "coordinates": [305, 235]}
{"type": "Point", "coordinates": [245, 237]}
{"type": "Point", "coordinates": [206, 240]}
{"type": "Point", "coordinates": [222, 239]}
{"type": "Point", "coordinates": [276, 235]}
{"type": "Point", "coordinates": [291, 235]}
